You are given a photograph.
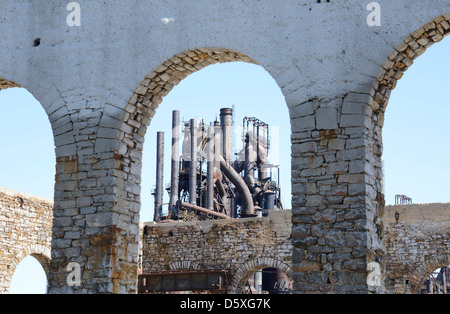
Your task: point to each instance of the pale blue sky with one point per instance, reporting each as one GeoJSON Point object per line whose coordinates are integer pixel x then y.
{"type": "Point", "coordinates": [415, 134]}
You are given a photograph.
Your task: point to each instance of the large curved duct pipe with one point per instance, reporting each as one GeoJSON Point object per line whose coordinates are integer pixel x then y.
{"type": "Point", "coordinates": [244, 192]}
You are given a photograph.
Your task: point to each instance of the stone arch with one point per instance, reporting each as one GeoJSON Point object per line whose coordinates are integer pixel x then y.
{"type": "Point", "coordinates": [139, 111]}
{"type": "Point", "coordinates": [149, 94]}
{"type": "Point", "coordinates": [402, 59]}
{"type": "Point", "coordinates": [420, 273]}
{"type": "Point", "coordinates": [42, 253]}
{"type": "Point", "coordinates": [239, 277]}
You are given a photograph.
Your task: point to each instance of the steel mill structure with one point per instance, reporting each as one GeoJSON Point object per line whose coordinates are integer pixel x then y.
{"type": "Point", "coordinates": [209, 178]}
{"type": "Point", "coordinates": [212, 179]}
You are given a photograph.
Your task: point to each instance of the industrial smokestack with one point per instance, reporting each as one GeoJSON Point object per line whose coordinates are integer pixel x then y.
{"type": "Point", "coordinates": [175, 167]}
{"type": "Point", "coordinates": [226, 121]}
{"type": "Point", "coordinates": [193, 163]}
{"type": "Point", "coordinates": [159, 192]}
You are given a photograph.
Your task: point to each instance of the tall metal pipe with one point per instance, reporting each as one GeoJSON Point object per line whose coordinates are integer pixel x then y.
{"type": "Point", "coordinates": [159, 192]}
{"type": "Point", "coordinates": [193, 163]}
{"type": "Point", "coordinates": [175, 167]}
{"type": "Point", "coordinates": [210, 169]}
{"type": "Point", "coordinates": [226, 121]}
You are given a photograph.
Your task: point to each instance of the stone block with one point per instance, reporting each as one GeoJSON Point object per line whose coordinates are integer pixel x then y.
{"type": "Point", "coordinates": [351, 120]}
{"type": "Point", "coordinates": [303, 123]}
{"type": "Point", "coordinates": [326, 119]}
{"type": "Point", "coordinates": [309, 147]}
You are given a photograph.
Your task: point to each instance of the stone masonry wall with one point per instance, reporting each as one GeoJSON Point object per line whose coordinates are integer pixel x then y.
{"type": "Point", "coordinates": [417, 243]}
{"type": "Point", "coordinates": [25, 229]}
{"type": "Point", "coordinates": [416, 237]}
{"type": "Point", "coordinates": [240, 246]}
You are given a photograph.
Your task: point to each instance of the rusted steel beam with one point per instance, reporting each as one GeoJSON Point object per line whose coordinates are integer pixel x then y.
{"type": "Point", "coordinates": [204, 210]}
{"type": "Point", "coordinates": [185, 280]}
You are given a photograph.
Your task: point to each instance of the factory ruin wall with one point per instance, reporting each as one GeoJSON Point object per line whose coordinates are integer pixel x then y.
{"type": "Point", "coordinates": [25, 229]}
{"type": "Point", "coordinates": [240, 246]}
{"type": "Point", "coordinates": [417, 243]}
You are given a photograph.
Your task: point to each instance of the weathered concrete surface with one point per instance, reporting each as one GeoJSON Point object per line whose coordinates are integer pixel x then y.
{"type": "Point", "coordinates": [100, 84]}
{"type": "Point", "coordinates": [417, 242]}
{"type": "Point", "coordinates": [25, 229]}
{"type": "Point", "coordinates": [240, 246]}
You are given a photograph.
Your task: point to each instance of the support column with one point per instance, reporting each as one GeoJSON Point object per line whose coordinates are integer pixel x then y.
{"type": "Point", "coordinates": [95, 233]}
{"type": "Point", "coordinates": [336, 218]}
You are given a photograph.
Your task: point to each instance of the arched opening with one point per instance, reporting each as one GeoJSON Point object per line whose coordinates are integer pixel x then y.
{"type": "Point", "coordinates": [128, 155]}
{"type": "Point", "coordinates": [414, 134]}
{"type": "Point", "coordinates": [228, 78]}
{"type": "Point", "coordinates": [27, 165]}
{"type": "Point", "coordinates": [438, 282]}
{"type": "Point", "coordinates": [393, 71]}
{"type": "Point", "coordinates": [149, 95]}
{"type": "Point", "coordinates": [29, 277]}
{"type": "Point", "coordinates": [268, 280]}
{"type": "Point", "coordinates": [247, 88]}
{"type": "Point", "coordinates": [412, 142]}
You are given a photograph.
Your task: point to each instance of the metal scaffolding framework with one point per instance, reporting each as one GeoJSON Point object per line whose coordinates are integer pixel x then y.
{"type": "Point", "coordinates": [402, 200]}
